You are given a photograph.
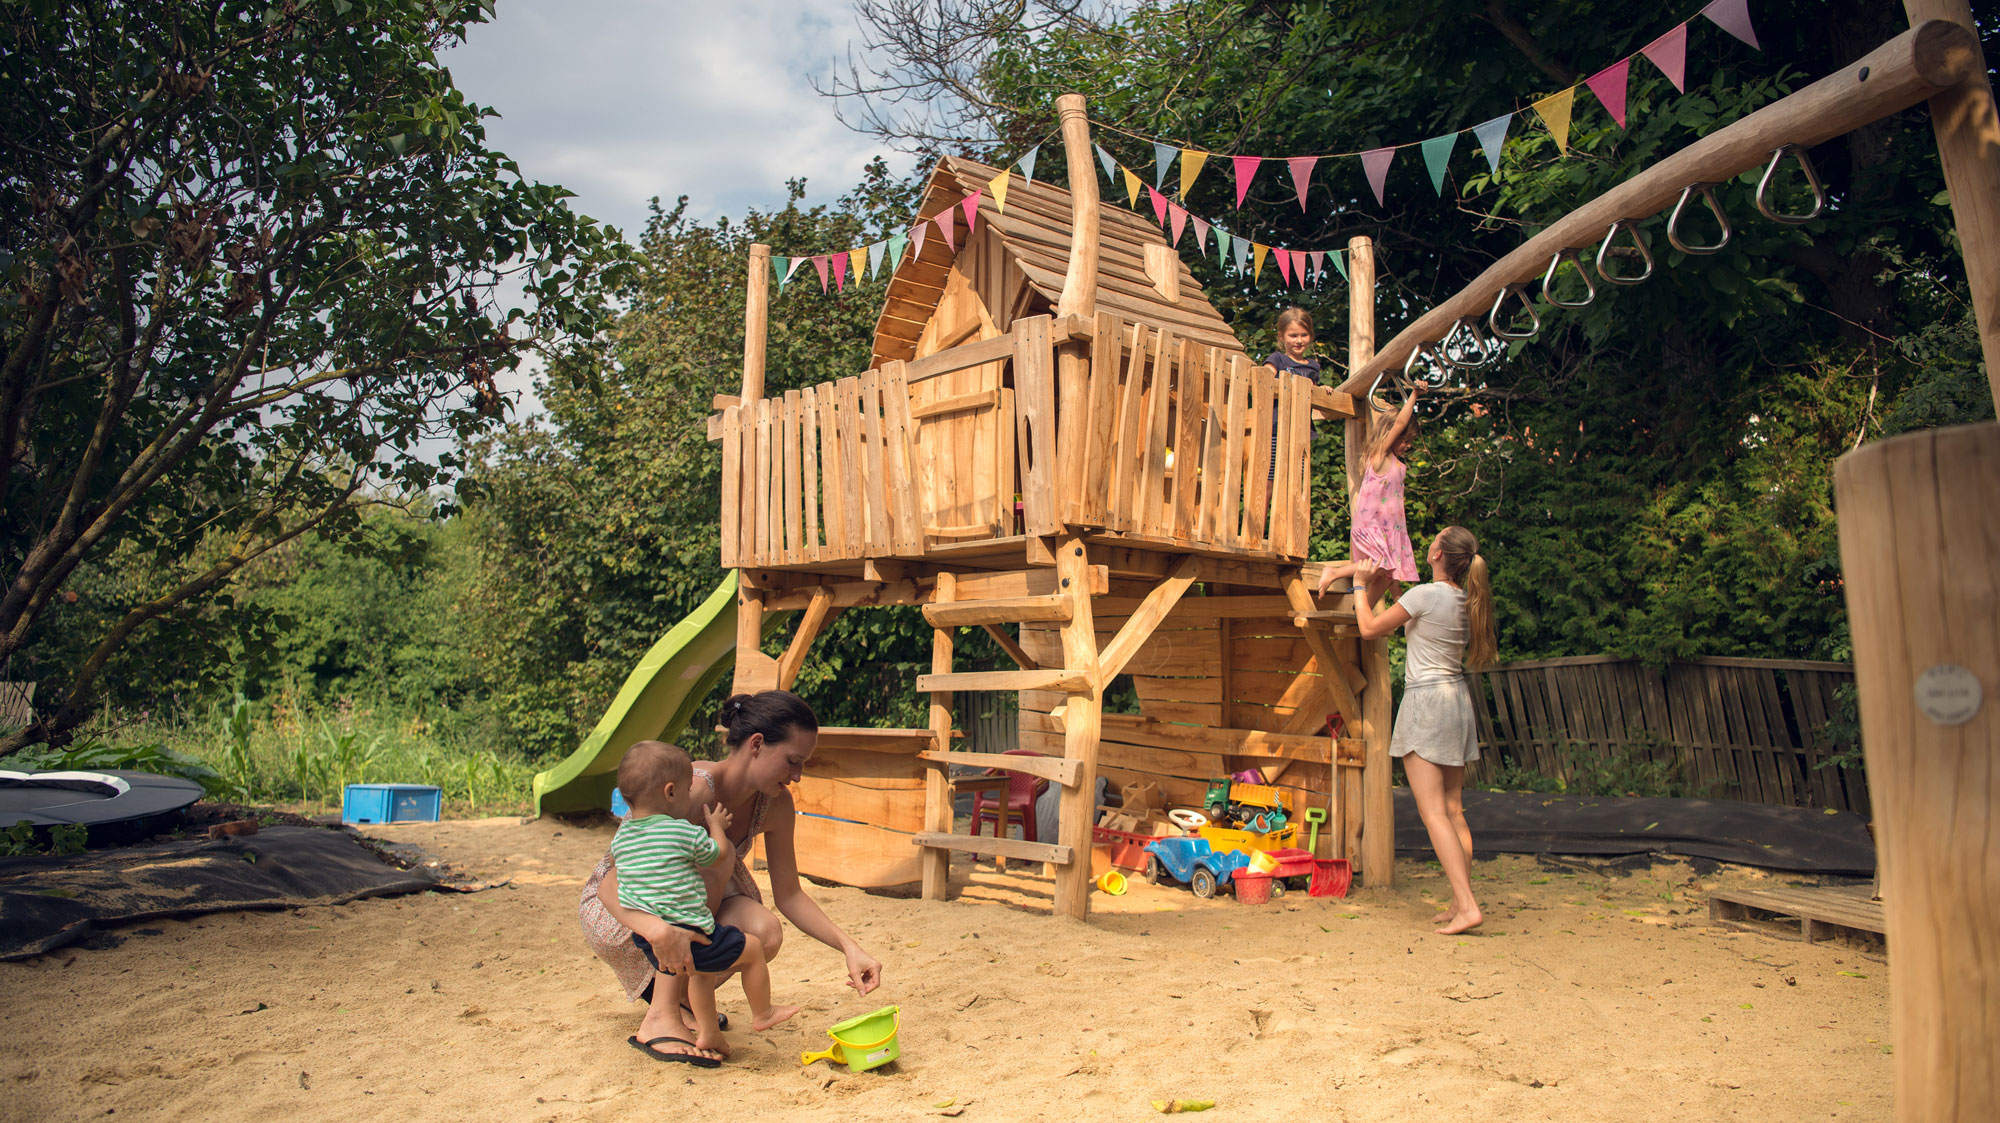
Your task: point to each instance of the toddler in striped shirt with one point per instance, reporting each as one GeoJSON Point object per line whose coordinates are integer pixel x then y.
{"type": "Point", "coordinates": [660, 855]}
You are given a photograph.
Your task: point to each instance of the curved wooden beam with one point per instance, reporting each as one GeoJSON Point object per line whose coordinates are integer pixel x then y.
{"type": "Point", "coordinates": [1910, 68]}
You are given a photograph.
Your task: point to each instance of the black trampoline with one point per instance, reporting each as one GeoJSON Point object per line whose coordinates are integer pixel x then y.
{"type": "Point", "coordinates": [114, 804]}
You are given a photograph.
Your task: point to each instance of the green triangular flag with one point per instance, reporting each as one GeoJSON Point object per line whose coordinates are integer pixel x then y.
{"type": "Point", "coordinates": [779, 267]}
{"type": "Point", "coordinates": [1222, 240]}
{"type": "Point", "coordinates": [1339, 265]}
{"type": "Point", "coordinates": [895, 254]}
{"type": "Point", "coordinates": [1437, 153]}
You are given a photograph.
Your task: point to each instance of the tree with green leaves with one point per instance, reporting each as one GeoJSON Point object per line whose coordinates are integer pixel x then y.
{"type": "Point", "coordinates": [252, 256]}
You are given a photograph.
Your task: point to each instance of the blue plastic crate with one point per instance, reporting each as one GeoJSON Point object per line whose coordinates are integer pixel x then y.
{"type": "Point", "coordinates": [390, 803]}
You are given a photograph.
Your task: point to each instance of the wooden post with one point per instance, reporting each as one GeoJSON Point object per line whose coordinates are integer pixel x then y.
{"type": "Point", "coordinates": [1079, 298]}
{"type": "Point", "coordinates": [1968, 139]}
{"type": "Point", "coordinates": [938, 816]}
{"type": "Point", "coordinates": [1919, 524]}
{"type": "Point", "coordinates": [756, 321]}
{"type": "Point", "coordinates": [755, 670]}
{"type": "Point", "coordinates": [1082, 718]}
{"type": "Point", "coordinates": [1377, 818]}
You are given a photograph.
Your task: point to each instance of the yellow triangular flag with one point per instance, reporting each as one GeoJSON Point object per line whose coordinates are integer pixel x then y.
{"type": "Point", "coordinates": [1258, 251]}
{"type": "Point", "coordinates": [1555, 110]}
{"type": "Point", "coordinates": [1132, 186]}
{"type": "Point", "coordinates": [997, 187]}
{"type": "Point", "coordinates": [1191, 161]}
{"type": "Point", "coordinates": [857, 264]}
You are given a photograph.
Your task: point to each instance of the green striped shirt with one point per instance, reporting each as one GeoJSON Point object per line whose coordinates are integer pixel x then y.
{"type": "Point", "coordinates": [657, 858]}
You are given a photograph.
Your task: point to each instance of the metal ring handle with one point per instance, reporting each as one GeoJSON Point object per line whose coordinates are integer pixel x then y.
{"type": "Point", "coordinates": [1549, 281]}
{"type": "Point", "coordinates": [1812, 180]}
{"type": "Point", "coordinates": [1477, 345]}
{"type": "Point", "coordinates": [1604, 251]}
{"type": "Point", "coordinates": [1707, 191]}
{"type": "Point", "coordinates": [1493, 317]}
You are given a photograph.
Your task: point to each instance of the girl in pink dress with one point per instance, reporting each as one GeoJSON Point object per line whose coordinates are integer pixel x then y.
{"type": "Point", "coordinates": [1379, 531]}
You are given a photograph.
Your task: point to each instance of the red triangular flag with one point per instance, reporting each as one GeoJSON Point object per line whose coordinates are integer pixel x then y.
{"type": "Point", "coordinates": [1299, 267]}
{"type": "Point", "coordinates": [1670, 53]}
{"type": "Point", "coordinates": [947, 228]}
{"type": "Point", "coordinates": [1285, 266]}
{"type": "Point", "coordinates": [839, 261]}
{"type": "Point", "coordinates": [1733, 16]}
{"type": "Point", "coordinates": [1302, 174]}
{"type": "Point", "coordinates": [971, 206]}
{"type": "Point", "coordinates": [1179, 219]}
{"type": "Point", "coordinates": [1609, 86]}
{"type": "Point", "coordinates": [1246, 170]}
{"type": "Point", "coordinates": [819, 263]}
{"type": "Point", "coordinates": [1376, 164]}
{"type": "Point", "coordinates": [1159, 202]}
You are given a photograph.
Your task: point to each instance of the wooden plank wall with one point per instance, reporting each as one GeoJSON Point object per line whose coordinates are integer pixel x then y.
{"type": "Point", "coordinates": [964, 420]}
{"type": "Point", "coordinates": [1752, 729]}
{"type": "Point", "coordinates": [858, 805]}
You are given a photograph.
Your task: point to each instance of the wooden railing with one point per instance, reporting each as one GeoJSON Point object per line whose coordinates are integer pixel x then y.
{"type": "Point", "coordinates": [1753, 729]}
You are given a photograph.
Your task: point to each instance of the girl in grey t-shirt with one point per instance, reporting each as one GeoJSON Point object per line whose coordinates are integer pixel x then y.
{"type": "Point", "coordinates": [1449, 623]}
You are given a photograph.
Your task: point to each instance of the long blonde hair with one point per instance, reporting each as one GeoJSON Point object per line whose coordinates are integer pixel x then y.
{"type": "Point", "coordinates": [1458, 551]}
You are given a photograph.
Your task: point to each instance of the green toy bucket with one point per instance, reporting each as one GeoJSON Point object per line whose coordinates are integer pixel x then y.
{"type": "Point", "coordinates": [862, 1043]}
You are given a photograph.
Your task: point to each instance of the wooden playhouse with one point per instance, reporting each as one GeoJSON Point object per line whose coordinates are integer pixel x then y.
{"type": "Point", "coordinates": [1061, 442]}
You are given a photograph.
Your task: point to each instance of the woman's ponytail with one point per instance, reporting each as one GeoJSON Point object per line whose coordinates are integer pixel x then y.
{"type": "Point", "coordinates": [1482, 648]}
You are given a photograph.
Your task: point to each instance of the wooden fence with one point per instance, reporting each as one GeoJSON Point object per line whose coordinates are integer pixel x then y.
{"type": "Point", "coordinates": [1752, 729]}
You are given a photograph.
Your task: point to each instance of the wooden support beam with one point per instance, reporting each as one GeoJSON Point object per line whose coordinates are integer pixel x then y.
{"type": "Point", "coordinates": [1012, 647]}
{"type": "Point", "coordinates": [848, 594]}
{"type": "Point", "coordinates": [1055, 769]}
{"type": "Point", "coordinates": [873, 740]}
{"type": "Point", "coordinates": [1059, 856]}
{"type": "Point", "coordinates": [1083, 712]}
{"type": "Point", "coordinates": [819, 613]}
{"type": "Point", "coordinates": [1048, 678]}
{"type": "Point", "coordinates": [755, 670]}
{"type": "Point", "coordinates": [1321, 646]}
{"type": "Point", "coordinates": [756, 321]}
{"type": "Point", "coordinates": [1027, 583]}
{"type": "Point", "coordinates": [1143, 621]}
{"type": "Point", "coordinates": [1079, 291]}
{"type": "Point", "coordinates": [1000, 610]}
{"type": "Point", "coordinates": [1367, 828]}
{"type": "Point", "coordinates": [938, 813]}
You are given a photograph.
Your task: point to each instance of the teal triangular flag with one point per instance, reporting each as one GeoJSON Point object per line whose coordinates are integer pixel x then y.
{"type": "Point", "coordinates": [1437, 153]}
{"type": "Point", "coordinates": [1221, 246]}
{"type": "Point", "coordinates": [1027, 163]}
{"type": "Point", "coordinates": [1339, 263]}
{"type": "Point", "coordinates": [895, 254]}
{"type": "Point", "coordinates": [1491, 136]}
{"type": "Point", "coordinates": [875, 256]}
{"type": "Point", "coordinates": [1110, 165]}
{"type": "Point", "coordinates": [780, 268]}
{"type": "Point", "coordinates": [1163, 158]}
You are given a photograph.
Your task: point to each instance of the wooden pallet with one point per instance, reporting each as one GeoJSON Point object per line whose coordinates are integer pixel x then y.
{"type": "Point", "coordinates": [1820, 911]}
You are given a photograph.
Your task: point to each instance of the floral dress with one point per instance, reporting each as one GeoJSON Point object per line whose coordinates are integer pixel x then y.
{"type": "Point", "coordinates": [612, 941]}
{"type": "Point", "coordinates": [1380, 532]}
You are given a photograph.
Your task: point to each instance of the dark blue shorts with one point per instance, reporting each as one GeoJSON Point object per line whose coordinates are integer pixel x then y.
{"type": "Point", "coordinates": [719, 954]}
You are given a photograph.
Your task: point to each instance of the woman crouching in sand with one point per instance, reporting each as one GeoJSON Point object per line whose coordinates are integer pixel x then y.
{"type": "Point", "coordinates": [1449, 623]}
{"type": "Point", "coordinates": [771, 736]}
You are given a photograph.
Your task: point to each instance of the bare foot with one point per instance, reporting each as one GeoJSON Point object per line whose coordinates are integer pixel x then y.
{"type": "Point", "coordinates": [776, 1015]}
{"type": "Point", "coordinates": [715, 1043]}
{"type": "Point", "coordinates": [1441, 917]}
{"type": "Point", "coordinates": [1463, 922]}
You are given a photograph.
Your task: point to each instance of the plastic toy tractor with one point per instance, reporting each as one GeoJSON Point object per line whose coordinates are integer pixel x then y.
{"type": "Point", "coordinates": [1194, 861]}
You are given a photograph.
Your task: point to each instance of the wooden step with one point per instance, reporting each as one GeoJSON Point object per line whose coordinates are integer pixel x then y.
{"type": "Point", "coordinates": [1048, 678]}
{"type": "Point", "coordinates": [996, 847]}
{"type": "Point", "coordinates": [1818, 909]}
{"type": "Point", "coordinates": [998, 610]}
{"type": "Point", "coordinates": [1060, 770]}
{"type": "Point", "coordinates": [1324, 616]}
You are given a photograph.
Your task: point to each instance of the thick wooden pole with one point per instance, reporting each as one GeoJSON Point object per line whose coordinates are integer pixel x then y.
{"type": "Point", "coordinates": [1968, 140]}
{"type": "Point", "coordinates": [1079, 298]}
{"type": "Point", "coordinates": [755, 670]}
{"type": "Point", "coordinates": [1082, 721]}
{"type": "Point", "coordinates": [756, 321]}
{"type": "Point", "coordinates": [1377, 820]}
{"type": "Point", "coordinates": [1920, 550]}
{"type": "Point", "coordinates": [938, 816]}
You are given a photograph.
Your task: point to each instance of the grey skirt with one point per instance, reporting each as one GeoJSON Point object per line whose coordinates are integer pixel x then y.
{"type": "Point", "coordinates": [1436, 722]}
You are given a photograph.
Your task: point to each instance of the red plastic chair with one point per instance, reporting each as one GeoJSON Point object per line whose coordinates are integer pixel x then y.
{"type": "Point", "coordinates": [1022, 791]}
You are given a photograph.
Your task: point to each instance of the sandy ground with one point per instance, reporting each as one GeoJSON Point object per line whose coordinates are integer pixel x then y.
{"type": "Point", "coordinates": [1590, 996]}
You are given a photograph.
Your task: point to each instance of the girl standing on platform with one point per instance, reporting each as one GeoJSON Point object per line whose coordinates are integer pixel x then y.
{"type": "Point", "coordinates": [1295, 338]}
{"type": "Point", "coordinates": [1449, 623]}
{"type": "Point", "coordinates": [1379, 534]}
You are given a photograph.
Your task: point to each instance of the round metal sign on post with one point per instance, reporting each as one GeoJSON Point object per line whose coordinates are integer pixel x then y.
{"type": "Point", "coordinates": [1948, 694]}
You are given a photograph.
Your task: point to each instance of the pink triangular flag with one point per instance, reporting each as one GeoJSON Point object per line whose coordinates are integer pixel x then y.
{"type": "Point", "coordinates": [1246, 170]}
{"type": "Point", "coordinates": [948, 228]}
{"type": "Point", "coordinates": [1285, 266]}
{"type": "Point", "coordinates": [917, 235]}
{"type": "Point", "coordinates": [971, 206]}
{"type": "Point", "coordinates": [1609, 86]}
{"type": "Point", "coordinates": [1302, 174]}
{"type": "Point", "coordinates": [1200, 235]}
{"type": "Point", "coordinates": [1733, 16]}
{"type": "Point", "coordinates": [1159, 202]}
{"type": "Point", "coordinates": [1319, 263]}
{"type": "Point", "coordinates": [1299, 267]}
{"type": "Point", "coordinates": [819, 263]}
{"type": "Point", "coordinates": [793, 269]}
{"type": "Point", "coordinates": [1179, 219]}
{"type": "Point", "coordinates": [1670, 53]}
{"type": "Point", "coordinates": [1375, 163]}
{"type": "Point", "coordinates": [839, 262]}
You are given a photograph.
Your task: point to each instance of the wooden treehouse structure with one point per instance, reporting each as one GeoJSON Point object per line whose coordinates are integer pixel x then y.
{"type": "Point", "coordinates": [1061, 442]}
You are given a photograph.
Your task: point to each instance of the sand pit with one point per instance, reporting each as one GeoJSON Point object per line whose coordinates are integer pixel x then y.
{"type": "Point", "coordinates": [1590, 997]}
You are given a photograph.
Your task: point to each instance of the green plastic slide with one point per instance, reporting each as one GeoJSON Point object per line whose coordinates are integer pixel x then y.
{"type": "Point", "coordinates": [656, 703]}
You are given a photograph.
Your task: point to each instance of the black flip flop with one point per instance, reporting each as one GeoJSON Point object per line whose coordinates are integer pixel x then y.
{"type": "Point", "coordinates": [646, 1047]}
{"type": "Point", "coordinates": [721, 1019]}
